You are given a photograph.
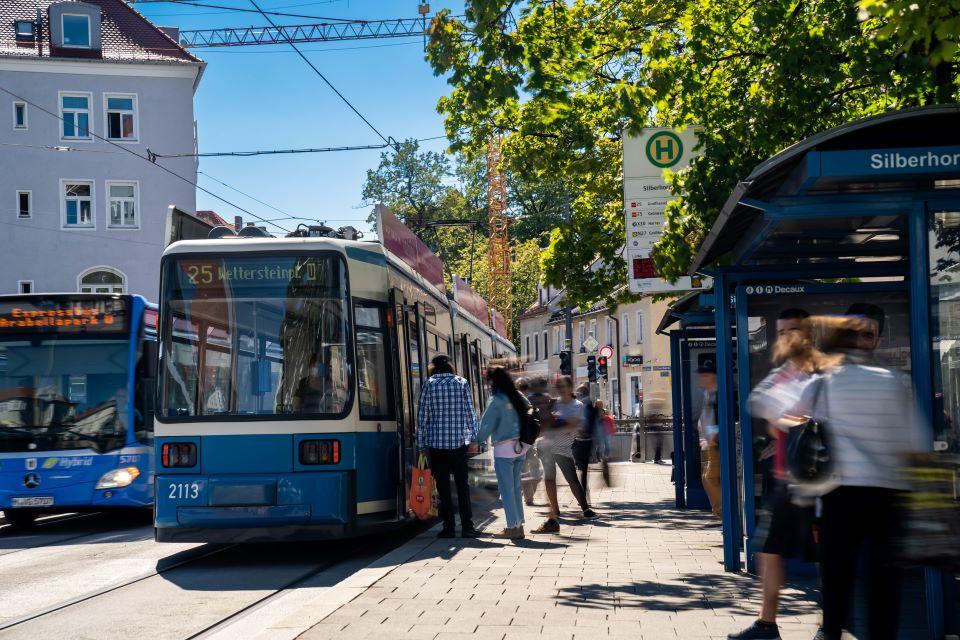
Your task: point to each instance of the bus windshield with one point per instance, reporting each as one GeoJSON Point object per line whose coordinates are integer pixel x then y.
{"type": "Point", "coordinates": [63, 393]}
{"type": "Point", "coordinates": [255, 336]}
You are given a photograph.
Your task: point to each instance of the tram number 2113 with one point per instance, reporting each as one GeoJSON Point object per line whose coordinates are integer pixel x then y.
{"type": "Point", "coordinates": [184, 491]}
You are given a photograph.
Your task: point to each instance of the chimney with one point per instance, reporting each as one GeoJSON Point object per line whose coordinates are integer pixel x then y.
{"type": "Point", "coordinates": [172, 32]}
{"type": "Point", "coordinates": [238, 222]}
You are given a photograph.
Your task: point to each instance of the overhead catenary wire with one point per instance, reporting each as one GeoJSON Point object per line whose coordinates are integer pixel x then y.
{"type": "Point", "coordinates": [193, 3]}
{"type": "Point", "coordinates": [267, 152]}
{"type": "Point", "coordinates": [146, 159]}
{"type": "Point", "coordinates": [389, 141]}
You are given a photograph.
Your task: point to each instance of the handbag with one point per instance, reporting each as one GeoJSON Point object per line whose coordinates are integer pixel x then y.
{"type": "Point", "coordinates": [423, 489]}
{"type": "Point", "coordinates": [808, 454]}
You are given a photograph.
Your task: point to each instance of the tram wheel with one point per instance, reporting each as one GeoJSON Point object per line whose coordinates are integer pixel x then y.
{"type": "Point", "coordinates": [20, 518]}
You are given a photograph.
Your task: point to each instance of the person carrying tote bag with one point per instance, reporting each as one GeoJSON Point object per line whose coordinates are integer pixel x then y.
{"type": "Point", "coordinates": [501, 424]}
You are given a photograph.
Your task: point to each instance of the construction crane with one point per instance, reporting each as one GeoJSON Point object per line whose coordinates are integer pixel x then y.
{"type": "Point", "coordinates": [500, 285]}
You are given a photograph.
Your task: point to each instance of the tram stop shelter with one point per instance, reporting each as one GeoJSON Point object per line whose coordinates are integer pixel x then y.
{"type": "Point", "coordinates": [688, 322]}
{"type": "Point", "coordinates": [867, 212]}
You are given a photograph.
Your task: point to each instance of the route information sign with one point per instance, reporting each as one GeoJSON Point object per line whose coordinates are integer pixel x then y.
{"type": "Point", "coordinates": [645, 196]}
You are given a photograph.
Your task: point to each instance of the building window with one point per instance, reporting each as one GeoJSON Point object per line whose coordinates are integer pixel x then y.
{"type": "Point", "coordinates": [121, 116]}
{"type": "Point", "coordinates": [625, 329]}
{"type": "Point", "coordinates": [546, 351]}
{"type": "Point", "coordinates": [24, 204]}
{"type": "Point", "coordinates": [536, 348]}
{"type": "Point", "coordinates": [122, 205]}
{"type": "Point", "coordinates": [609, 333]}
{"type": "Point", "coordinates": [25, 286]}
{"type": "Point", "coordinates": [593, 328]}
{"type": "Point", "coordinates": [556, 340]}
{"type": "Point", "coordinates": [583, 334]}
{"type": "Point", "coordinates": [75, 113]}
{"type": "Point", "coordinates": [76, 30]}
{"type": "Point", "coordinates": [26, 30]}
{"type": "Point", "coordinates": [19, 115]}
{"type": "Point", "coordinates": [526, 348]}
{"type": "Point", "coordinates": [102, 280]}
{"type": "Point", "coordinates": [77, 204]}
{"type": "Point", "coordinates": [639, 329]}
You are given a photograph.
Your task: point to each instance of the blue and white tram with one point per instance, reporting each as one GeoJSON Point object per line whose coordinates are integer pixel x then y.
{"type": "Point", "coordinates": [289, 374]}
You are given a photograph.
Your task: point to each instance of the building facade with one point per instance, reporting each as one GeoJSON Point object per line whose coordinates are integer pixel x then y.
{"type": "Point", "coordinates": [83, 84]}
{"type": "Point", "coordinates": [638, 374]}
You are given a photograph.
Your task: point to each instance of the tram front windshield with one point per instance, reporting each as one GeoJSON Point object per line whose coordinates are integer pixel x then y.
{"type": "Point", "coordinates": [255, 336]}
{"type": "Point", "coordinates": [63, 393]}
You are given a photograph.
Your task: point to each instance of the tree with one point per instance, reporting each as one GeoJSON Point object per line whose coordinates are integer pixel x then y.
{"type": "Point", "coordinates": [567, 81]}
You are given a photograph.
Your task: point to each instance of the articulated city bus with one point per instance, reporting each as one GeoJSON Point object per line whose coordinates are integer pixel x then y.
{"type": "Point", "coordinates": [76, 394]}
{"type": "Point", "coordinates": [290, 370]}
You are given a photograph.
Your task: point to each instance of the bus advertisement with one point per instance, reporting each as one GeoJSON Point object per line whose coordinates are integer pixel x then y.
{"type": "Point", "coordinates": [76, 403]}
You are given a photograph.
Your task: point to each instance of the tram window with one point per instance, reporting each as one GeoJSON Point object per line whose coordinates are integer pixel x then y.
{"type": "Point", "coordinates": [373, 380]}
{"type": "Point", "coordinates": [265, 335]}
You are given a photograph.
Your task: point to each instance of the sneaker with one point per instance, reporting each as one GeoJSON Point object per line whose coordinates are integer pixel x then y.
{"type": "Point", "coordinates": [507, 534]}
{"type": "Point", "coordinates": [759, 630]}
{"type": "Point", "coordinates": [590, 514]}
{"type": "Point", "coordinates": [550, 526]}
{"type": "Point", "coordinates": [470, 533]}
{"type": "Point", "coordinates": [447, 533]}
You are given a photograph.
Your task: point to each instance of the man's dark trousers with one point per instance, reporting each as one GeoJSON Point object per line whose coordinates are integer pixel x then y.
{"type": "Point", "coordinates": [443, 462]}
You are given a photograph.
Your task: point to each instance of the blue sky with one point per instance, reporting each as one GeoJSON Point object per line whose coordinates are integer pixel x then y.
{"type": "Point", "coordinates": [266, 97]}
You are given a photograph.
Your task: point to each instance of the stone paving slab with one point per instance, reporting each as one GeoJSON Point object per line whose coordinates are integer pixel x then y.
{"type": "Point", "coordinates": [643, 571]}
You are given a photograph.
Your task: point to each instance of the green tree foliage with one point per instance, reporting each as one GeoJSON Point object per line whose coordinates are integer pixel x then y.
{"type": "Point", "coordinates": [566, 79]}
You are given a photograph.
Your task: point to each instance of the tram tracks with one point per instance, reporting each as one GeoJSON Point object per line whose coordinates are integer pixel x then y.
{"type": "Point", "coordinates": [51, 521]}
{"type": "Point", "coordinates": [192, 555]}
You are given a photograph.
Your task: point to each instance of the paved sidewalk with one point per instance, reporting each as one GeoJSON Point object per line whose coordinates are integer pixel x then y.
{"type": "Point", "coordinates": [643, 571]}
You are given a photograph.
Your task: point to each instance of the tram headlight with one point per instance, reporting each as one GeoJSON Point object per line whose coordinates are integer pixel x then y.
{"type": "Point", "coordinates": [118, 478]}
{"type": "Point", "coordinates": [319, 451]}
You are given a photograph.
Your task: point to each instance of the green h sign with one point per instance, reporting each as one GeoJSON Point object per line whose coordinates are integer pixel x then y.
{"type": "Point", "coordinates": [664, 149]}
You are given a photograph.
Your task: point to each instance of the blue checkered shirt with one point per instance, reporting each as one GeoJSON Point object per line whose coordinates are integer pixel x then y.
{"type": "Point", "coordinates": [446, 416]}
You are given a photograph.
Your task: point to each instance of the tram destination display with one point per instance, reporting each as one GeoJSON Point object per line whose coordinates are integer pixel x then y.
{"type": "Point", "coordinates": [63, 315]}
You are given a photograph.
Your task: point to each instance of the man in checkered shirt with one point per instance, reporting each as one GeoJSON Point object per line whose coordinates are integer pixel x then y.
{"type": "Point", "coordinates": [447, 427]}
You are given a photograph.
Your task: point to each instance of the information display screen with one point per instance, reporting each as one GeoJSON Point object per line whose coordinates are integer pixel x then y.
{"type": "Point", "coordinates": [63, 315]}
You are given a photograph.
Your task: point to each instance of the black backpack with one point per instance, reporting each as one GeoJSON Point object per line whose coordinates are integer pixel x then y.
{"type": "Point", "coordinates": [529, 425]}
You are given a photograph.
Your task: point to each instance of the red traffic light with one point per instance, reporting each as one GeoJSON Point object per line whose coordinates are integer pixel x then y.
{"type": "Point", "coordinates": [601, 361]}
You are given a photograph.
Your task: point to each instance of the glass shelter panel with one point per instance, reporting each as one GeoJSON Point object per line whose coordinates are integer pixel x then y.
{"type": "Point", "coordinates": [251, 336]}
{"type": "Point", "coordinates": [944, 248]}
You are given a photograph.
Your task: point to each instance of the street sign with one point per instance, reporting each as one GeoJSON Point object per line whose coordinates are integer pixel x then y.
{"type": "Point", "coordinates": [645, 198]}
{"type": "Point", "coordinates": [606, 351]}
{"type": "Point", "coordinates": [590, 344]}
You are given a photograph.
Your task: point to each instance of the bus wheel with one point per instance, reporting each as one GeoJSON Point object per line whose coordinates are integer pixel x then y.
{"type": "Point", "coordinates": [20, 518]}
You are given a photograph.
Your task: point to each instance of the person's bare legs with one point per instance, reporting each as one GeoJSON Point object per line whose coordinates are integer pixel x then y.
{"type": "Point", "coordinates": [773, 574]}
{"type": "Point", "coordinates": [550, 486]}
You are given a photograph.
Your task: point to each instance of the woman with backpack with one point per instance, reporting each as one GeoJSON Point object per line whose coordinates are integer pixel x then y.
{"type": "Point", "coordinates": [501, 423]}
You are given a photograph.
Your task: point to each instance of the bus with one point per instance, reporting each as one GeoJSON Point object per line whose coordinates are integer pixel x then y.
{"type": "Point", "coordinates": [290, 370]}
{"type": "Point", "coordinates": [77, 382]}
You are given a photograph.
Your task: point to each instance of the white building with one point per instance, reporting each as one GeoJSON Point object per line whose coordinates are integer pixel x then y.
{"type": "Point", "coordinates": [79, 213]}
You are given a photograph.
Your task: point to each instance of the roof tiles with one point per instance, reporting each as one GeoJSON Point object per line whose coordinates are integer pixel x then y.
{"type": "Point", "coordinates": [126, 36]}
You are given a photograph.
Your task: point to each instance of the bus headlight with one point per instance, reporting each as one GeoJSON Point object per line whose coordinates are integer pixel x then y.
{"type": "Point", "coordinates": [118, 478]}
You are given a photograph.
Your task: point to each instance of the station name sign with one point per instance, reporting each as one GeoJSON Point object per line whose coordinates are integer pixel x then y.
{"type": "Point", "coordinates": [63, 316]}
{"type": "Point", "coordinates": [935, 161]}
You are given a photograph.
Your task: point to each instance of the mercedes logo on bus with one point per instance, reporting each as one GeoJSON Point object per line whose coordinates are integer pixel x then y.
{"type": "Point", "coordinates": [31, 480]}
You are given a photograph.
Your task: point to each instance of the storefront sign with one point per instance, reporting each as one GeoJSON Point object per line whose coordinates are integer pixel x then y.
{"type": "Point", "coordinates": [632, 361]}
{"type": "Point", "coordinates": [645, 195]}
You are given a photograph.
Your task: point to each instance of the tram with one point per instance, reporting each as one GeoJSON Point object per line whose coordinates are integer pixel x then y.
{"type": "Point", "coordinates": [77, 376]}
{"type": "Point", "coordinates": [290, 370]}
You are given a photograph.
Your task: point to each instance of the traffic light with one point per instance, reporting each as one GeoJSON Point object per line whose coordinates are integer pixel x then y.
{"type": "Point", "coordinates": [565, 363]}
{"type": "Point", "coordinates": [592, 368]}
{"type": "Point", "coordinates": [602, 367]}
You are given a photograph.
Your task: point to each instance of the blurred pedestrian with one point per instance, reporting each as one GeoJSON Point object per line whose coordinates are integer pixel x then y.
{"type": "Point", "coordinates": [542, 403]}
{"type": "Point", "coordinates": [871, 428]}
{"type": "Point", "coordinates": [447, 426]}
{"type": "Point", "coordinates": [556, 450]}
{"type": "Point", "coordinates": [583, 441]}
{"type": "Point", "coordinates": [501, 424]}
{"type": "Point", "coordinates": [709, 430]}
{"type": "Point", "coordinates": [785, 528]}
